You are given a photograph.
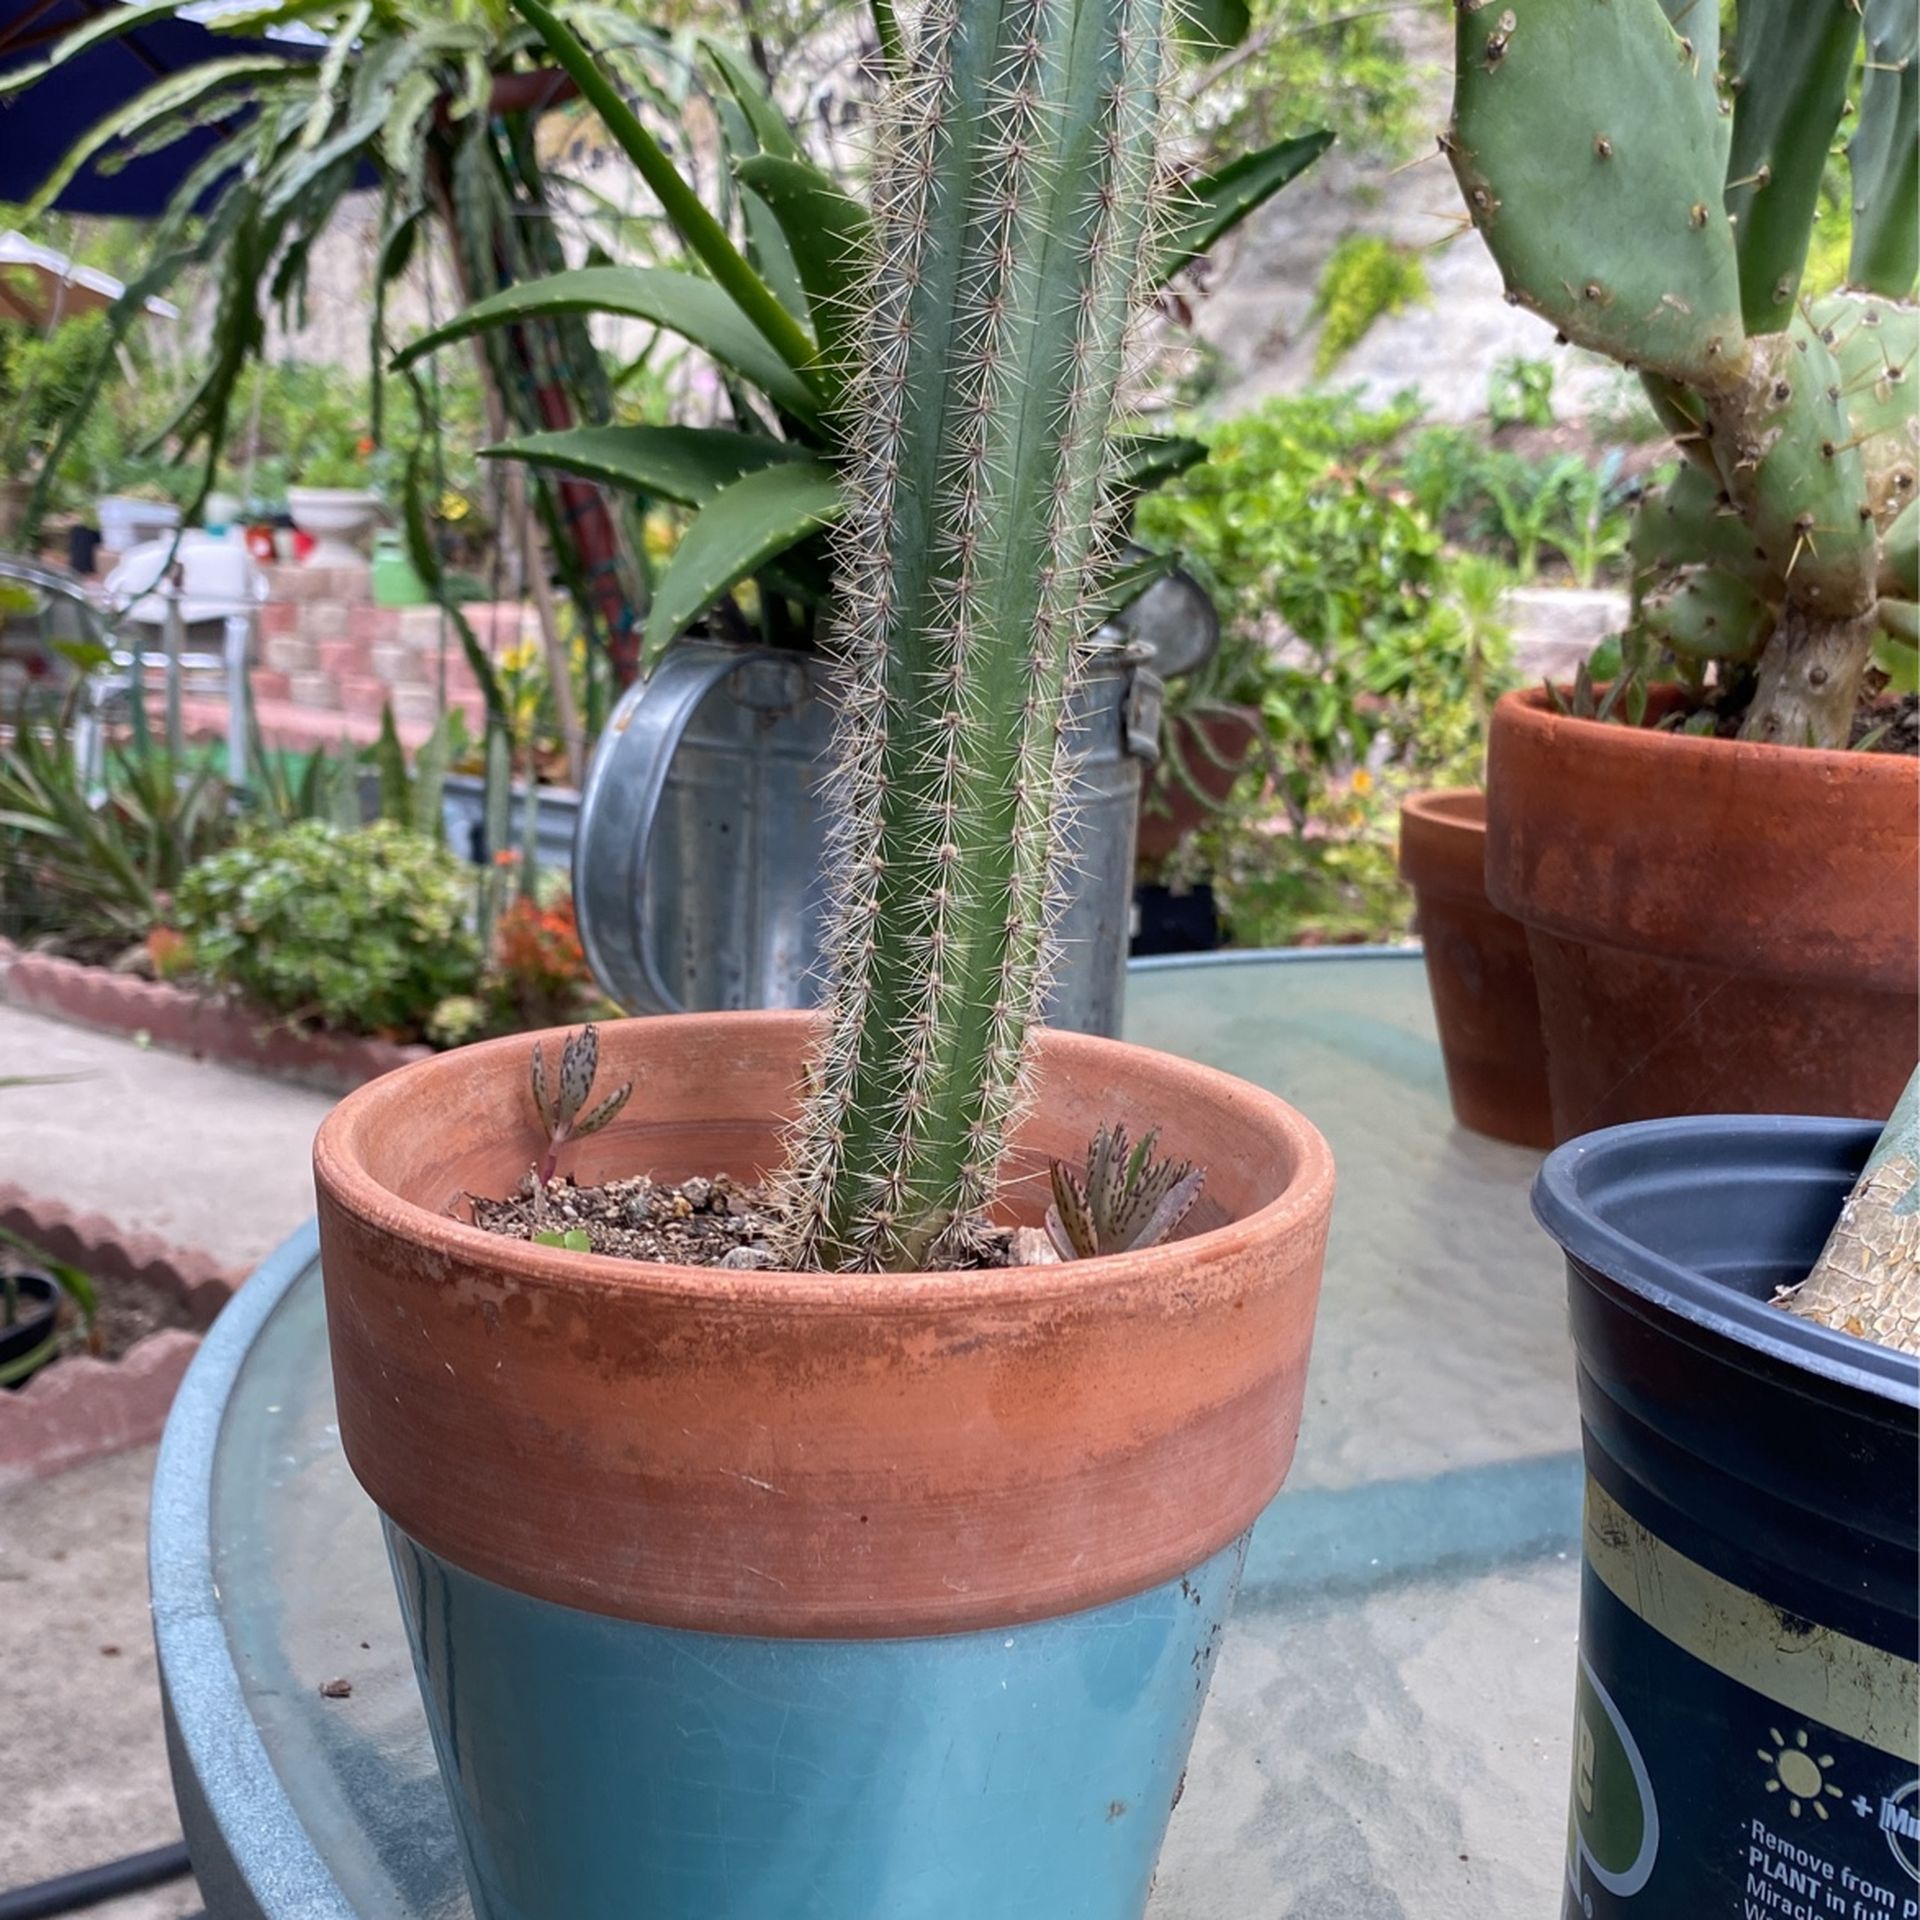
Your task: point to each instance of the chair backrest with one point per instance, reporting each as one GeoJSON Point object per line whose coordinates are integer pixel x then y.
{"type": "Point", "coordinates": [218, 578]}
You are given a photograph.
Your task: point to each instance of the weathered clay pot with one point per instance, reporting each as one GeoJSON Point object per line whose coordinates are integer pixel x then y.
{"type": "Point", "coordinates": [727, 1588]}
{"type": "Point", "coordinates": [1479, 972]}
{"type": "Point", "coordinates": [1717, 927]}
{"type": "Point", "coordinates": [1215, 748]}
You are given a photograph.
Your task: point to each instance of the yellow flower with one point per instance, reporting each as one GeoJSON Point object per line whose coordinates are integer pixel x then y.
{"type": "Point", "coordinates": [1362, 780]}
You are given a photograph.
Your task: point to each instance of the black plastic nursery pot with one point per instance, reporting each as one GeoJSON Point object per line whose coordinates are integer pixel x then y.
{"type": "Point", "coordinates": [1747, 1733]}
{"type": "Point", "coordinates": [38, 1314]}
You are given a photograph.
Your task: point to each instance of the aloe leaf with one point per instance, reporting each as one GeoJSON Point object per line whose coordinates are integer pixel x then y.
{"type": "Point", "coordinates": [746, 525]}
{"type": "Point", "coordinates": [683, 303]}
{"type": "Point", "coordinates": [1211, 207]}
{"type": "Point", "coordinates": [686, 465]}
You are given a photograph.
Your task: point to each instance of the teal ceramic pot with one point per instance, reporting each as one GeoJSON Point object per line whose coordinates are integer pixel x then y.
{"type": "Point", "coordinates": [757, 1596]}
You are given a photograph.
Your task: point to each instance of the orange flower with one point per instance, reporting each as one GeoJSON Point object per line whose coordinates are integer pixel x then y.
{"type": "Point", "coordinates": [170, 953]}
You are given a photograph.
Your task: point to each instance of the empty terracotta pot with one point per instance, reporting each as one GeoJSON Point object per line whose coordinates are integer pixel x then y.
{"type": "Point", "coordinates": [1716, 926]}
{"type": "Point", "coordinates": [1479, 971]}
{"type": "Point", "coordinates": [1215, 748]}
{"type": "Point", "coordinates": [742, 1595]}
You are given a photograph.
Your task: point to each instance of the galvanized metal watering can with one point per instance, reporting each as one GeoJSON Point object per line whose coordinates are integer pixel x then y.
{"type": "Point", "coordinates": [697, 860]}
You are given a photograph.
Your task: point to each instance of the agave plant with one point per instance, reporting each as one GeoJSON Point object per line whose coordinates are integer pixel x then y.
{"type": "Point", "coordinates": [781, 314]}
{"type": "Point", "coordinates": [1656, 204]}
{"type": "Point", "coordinates": [436, 106]}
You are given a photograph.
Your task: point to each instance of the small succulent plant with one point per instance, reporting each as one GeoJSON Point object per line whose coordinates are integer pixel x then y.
{"type": "Point", "coordinates": [1124, 1201]}
{"type": "Point", "coordinates": [562, 1102]}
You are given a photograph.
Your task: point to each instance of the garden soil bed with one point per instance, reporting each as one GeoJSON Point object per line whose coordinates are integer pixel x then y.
{"type": "Point", "coordinates": [185, 1021]}
{"type": "Point", "coordinates": [155, 1302]}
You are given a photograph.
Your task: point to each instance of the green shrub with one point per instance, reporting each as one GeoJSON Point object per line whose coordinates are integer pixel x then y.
{"type": "Point", "coordinates": [1365, 276]}
{"type": "Point", "coordinates": [1296, 524]}
{"type": "Point", "coordinates": [1372, 652]}
{"type": "Point", "coordinates": [1520, 392]}
{"type": "Point", "coordinates": [364, 930]}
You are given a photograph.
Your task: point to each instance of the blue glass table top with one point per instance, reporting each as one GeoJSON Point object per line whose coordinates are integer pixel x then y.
{"type": "Point", "coordinates": [1388, 1729]}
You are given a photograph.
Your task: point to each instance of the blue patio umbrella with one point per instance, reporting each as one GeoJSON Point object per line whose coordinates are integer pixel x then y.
{"type": "Point", "coordinates": [38, 125]}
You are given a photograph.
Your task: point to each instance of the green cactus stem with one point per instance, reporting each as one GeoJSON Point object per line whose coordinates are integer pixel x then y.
{"type": "Point", "coordinates": [1593, 151]}
{"type": "Point", "coordinates": [1884, 154]}
{"type": "Point", "coordinates": [1792, 60]}
{"type": "Point", "coordinates": [1013, 222]}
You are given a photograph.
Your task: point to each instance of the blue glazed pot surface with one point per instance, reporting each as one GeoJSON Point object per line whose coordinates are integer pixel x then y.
{"type": "Point", "coordinates": [604, 1770]}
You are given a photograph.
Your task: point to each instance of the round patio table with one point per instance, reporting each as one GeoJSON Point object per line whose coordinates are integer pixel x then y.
{"type": "Point", "coordinates": [1388, 1730]}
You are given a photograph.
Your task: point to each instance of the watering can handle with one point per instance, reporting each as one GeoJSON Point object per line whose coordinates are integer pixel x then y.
{"type": "Point", "coordinates": [618, 813]}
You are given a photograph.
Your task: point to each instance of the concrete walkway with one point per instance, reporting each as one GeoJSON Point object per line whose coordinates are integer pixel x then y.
{"type": "Point", "coordinates": [199, 1154]}
{"type": "Point", "coordinates": [83, 1768]}
{"type": "Point", "coordinates": [207, 1158]}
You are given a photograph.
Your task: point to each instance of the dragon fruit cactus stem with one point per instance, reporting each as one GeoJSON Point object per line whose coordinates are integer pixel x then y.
{"type": "Point", "coordinates": [1014, 217]}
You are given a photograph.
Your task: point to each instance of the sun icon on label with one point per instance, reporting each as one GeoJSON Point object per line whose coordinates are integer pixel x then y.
{"type": "Point", "coordinates": [1799, 1773]}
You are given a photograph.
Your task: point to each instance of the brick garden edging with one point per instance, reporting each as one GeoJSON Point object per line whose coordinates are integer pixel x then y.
{"type": "Point", "coordinates": [184, 1021]}
{"type": "Point", "coordinates": [79, 1408]}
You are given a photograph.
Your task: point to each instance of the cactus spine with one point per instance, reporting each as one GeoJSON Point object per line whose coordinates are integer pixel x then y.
{"type": "Point", "coordinates": [1624, 205]}
{"type": "Point", "coordinates": [1012, 224]}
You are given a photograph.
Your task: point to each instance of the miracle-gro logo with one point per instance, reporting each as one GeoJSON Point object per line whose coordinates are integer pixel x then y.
{"type": "Point", "coordinates": [1900, 1822]}
{"type": "Point", "coordinates": [1614, 1830]}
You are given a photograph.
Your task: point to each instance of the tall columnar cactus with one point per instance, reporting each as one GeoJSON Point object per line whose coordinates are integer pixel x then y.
{"type": "Point", "coordinates": [1665, 226]}
{"type": "Point", "coordinates": [1012, 225]}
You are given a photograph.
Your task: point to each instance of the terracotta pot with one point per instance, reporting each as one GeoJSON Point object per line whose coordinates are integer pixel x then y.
{"type": "Point", "coordinates": [1716, 926]}
{"type": "Point", "coordinates": [726, 1587]}
{"type": "Point", "coordinates": [1479, 972]}
{"type": "Point", "coordinates": [1170, 809]}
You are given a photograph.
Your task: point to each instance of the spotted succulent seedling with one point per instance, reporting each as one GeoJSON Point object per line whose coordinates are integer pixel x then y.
{"type": "Point", "coordinates": [560, 1102]}
{"type": "Point", "coordinates": [1124, 1201]}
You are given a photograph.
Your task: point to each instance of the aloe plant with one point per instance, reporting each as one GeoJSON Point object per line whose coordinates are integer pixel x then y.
{"type": "Point", "coordinates": [778, 313]}
{"type": "Point", "coordinates": [1659, 212]}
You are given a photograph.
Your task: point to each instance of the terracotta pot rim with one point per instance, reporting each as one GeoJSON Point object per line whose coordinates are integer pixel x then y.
{"type": "Point", "coordinates": [1442, 807]}
{"type": "Point", "coordinates": [811, 1454]}
{"type": "Point", "coordinates": [338, 1166]}
{"type": "Point", "coordinates": [1533, 702]}
{"type": "Point", "coordinates": [1441, 853]}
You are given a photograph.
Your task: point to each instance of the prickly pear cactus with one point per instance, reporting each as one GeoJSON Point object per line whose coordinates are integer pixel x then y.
{"type": "Point", "coordinates": [1013, 208]}
{"type": "Point", "coordinates": [1656, 203]}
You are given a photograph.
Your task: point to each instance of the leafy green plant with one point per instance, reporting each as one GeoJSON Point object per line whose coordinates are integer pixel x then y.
{"type": "Point", "coordinates": [778, 316]}
{"type": "Point", "coordinates": [1321, 63]}
{"type": "Point", "coordinates": [1594, 530]}
{"type": "Point", "coordinates": [1341, 607]}
{"type": "Point", "coordinates": [365, 931]}
{"type": "Point", "coordinates": [1373, 652]}
{"type": "Point", "coordinates": [94, 867]}
{"type": "Point", "coordinates": [1789, 541]}
{"type": "Point", "coordinates": [1364, 277]}
{"type": "Point", "coordinates": [1520, 392]}
{"type": "Point", "coordinates": [1497, 500]}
